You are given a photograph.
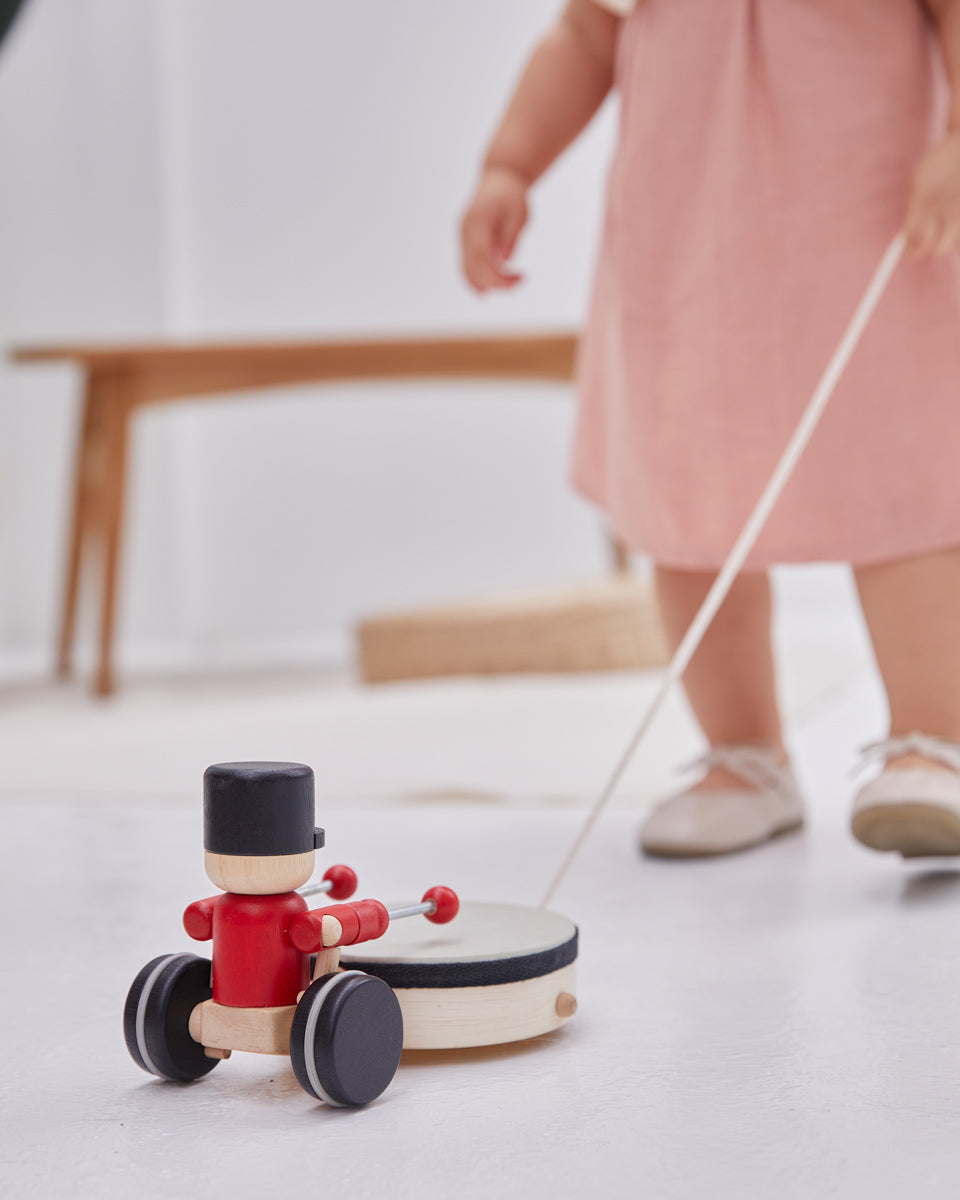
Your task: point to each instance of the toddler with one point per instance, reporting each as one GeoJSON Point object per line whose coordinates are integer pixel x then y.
{"type": "Point", "coordinates": [768, 151]}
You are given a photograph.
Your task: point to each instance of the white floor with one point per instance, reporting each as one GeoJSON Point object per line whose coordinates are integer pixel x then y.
{"type": "Point", "coordinates": [778, 1024]}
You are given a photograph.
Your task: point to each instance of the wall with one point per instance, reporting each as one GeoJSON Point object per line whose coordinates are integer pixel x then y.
{"type": "Point", "coordinates": [79, 256]}
{"type": "Point", "coordinates": [232, 167]}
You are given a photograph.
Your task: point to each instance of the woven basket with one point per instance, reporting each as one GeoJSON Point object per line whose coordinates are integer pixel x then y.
{"type": "Point", "coordinates": [608, 625]}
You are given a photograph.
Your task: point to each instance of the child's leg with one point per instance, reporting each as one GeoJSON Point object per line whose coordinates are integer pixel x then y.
{"type": "Point", "coordinates": [912, 609]}
{"type": "Point", "coordinates": [730, 681]}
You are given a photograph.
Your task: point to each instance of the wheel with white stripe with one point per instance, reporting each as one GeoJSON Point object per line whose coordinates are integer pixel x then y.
{"type": "Point", "coordinates": [156, 1017]}
{"type": "Point", "coordinates": [346, 1038]}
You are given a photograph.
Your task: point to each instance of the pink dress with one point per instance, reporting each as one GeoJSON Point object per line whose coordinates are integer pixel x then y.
{"type": "Point", "coordinates": [764, 160]}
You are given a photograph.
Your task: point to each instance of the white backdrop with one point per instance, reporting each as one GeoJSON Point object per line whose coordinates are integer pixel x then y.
{"type": "Point", "coordinates": [224, 167]}
{"type": "Point", "coordinates": [227, 167]}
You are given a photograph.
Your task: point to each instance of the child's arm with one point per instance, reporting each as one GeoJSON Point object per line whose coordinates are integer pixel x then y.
{"type": "Point", "coordinates": [933, 215]}
{"type": "Point", "coordinates": [563, 85]}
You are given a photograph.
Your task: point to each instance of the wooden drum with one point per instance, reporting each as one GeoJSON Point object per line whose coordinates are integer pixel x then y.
{"type": "Point", "coordinates": [497, 973]}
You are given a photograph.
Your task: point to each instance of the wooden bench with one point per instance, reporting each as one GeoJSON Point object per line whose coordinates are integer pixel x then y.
{"type": "Point", "coordinates": [119, 380]}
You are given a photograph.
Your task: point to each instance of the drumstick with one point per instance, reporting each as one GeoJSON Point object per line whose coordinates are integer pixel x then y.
{"type": "Point", "coordinates": [338, 880]}
{"type": "Point", "coordinates": [744, 543]}
{"type": "Point", "coordinates": [439, 905]}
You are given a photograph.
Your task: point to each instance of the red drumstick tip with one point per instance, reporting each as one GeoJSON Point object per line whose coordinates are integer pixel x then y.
{"type": "Point", "coordinates": [344, 881]}
{"type": "Point", "coordinates": [447, 904]}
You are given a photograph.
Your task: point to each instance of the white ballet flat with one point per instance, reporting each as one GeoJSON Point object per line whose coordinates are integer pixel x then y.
{"type": "Point", "coordinates": [697, 824]}
{"type": "Point", "coordinates": [915, 810]}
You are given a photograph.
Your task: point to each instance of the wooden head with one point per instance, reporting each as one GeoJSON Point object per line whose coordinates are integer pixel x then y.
{"type": "Point", "coordinates": [258, 875]}
{"type": "Point", "coordinates": [258, 832]}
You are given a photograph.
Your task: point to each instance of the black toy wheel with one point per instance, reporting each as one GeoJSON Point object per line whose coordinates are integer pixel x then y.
{"type": "Point", "coordinates": [156, 1017]}
{"type": "Point", "coordinates": [346, 1038]}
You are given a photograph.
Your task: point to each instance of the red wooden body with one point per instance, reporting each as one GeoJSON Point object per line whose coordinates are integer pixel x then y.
{"type": "Point", "coordinates": [255, 964]}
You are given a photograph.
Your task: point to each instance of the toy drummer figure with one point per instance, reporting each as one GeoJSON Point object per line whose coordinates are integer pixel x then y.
{"type": "Point", "coordinates": [344, 1030]}
{"type": "Point", "coordinates": [259, 841]}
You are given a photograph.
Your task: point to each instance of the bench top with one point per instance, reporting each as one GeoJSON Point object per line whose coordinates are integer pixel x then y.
{"type": "Point", "coordinates": [148, 372]}
{"type": "Point", "coordinates": [543, 350]}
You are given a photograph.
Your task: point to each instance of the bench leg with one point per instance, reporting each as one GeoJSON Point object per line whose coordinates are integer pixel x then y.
{"type": "Point", "coordinates": [116, 409]}
{"type": "Point", "coordinates": [82, 515]}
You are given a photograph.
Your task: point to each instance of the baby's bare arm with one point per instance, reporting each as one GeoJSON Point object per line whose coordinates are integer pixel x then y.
{"type": "Point", "coordinates": [933, 216]}
{"type": "Point", "coordinates": [946, 13]}
{"type": "Point", "coordinates": [564, 83]}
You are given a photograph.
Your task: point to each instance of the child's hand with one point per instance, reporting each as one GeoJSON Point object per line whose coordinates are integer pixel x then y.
{"type": "Point", "coordinates": [933, 215]}
{"type": "Point", "coordinates": [490, 228]}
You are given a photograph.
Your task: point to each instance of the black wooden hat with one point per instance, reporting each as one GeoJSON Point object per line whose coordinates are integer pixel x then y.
{"type": "Point", "coordinates": [259, 808]}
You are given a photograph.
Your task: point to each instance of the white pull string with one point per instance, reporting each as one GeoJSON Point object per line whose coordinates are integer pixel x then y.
{"type": "Point", "coordinates": [744, 543]}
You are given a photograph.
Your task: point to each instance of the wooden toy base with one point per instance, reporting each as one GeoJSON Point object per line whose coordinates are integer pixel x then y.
{"type": "Point", "coordinates": [609, 625]}
{"type": "Point", "coordinates": [256, 1030]}
{"type": "Point", "coordinates": [498, 973]}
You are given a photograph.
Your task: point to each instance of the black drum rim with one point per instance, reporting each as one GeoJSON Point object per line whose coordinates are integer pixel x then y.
{"type": "Point", "coordinates": [480, 973]}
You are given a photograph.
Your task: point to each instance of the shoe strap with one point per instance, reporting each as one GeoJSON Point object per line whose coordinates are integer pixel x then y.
{"type": "Point", "coordinates": [940, 750]}
{"type": "Point", "coordinates": [758, 766]}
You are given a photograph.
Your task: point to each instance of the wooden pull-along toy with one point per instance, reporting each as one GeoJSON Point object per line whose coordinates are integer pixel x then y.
{"type": "Point", "coordinates": [276, 984]}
